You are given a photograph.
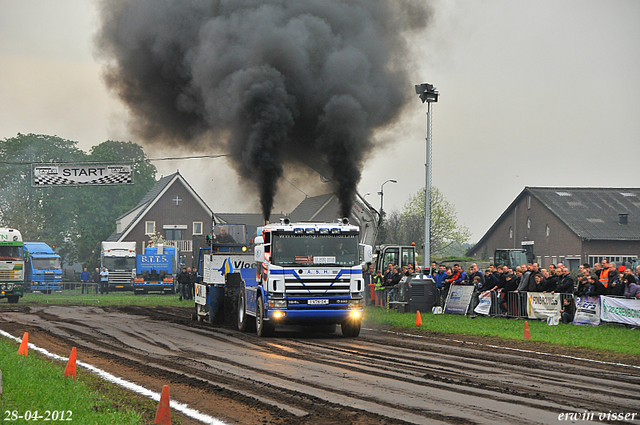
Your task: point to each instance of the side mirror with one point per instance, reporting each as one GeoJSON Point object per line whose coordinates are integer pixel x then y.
{"type": "Point", "coordinates": [367, 253]}
{"type": "Point", "coordinates": [258, 253]}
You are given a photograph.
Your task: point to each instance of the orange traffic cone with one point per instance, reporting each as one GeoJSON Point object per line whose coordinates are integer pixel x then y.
{"type": "Point", "coordinates": [163, 415]}
{"type": "Point", "coordinates": [71, 364]}
{"type": "Point", "coordinates": [24, 345]}
{"type": "Point", "coordinates": [418, 319]}
{"type": "Point", "coordinates": [527, 335]}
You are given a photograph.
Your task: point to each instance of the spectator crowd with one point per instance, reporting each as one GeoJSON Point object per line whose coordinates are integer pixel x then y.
{"type": "Point", "coordinates": [604, 278]}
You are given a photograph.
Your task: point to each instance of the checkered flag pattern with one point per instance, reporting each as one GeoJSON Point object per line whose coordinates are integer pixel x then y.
{"type": "Point", "coordinates": [61, 181]}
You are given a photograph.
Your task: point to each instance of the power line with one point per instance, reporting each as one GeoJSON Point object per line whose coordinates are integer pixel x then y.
{"type": "Point", "coordinates": [174, 158]}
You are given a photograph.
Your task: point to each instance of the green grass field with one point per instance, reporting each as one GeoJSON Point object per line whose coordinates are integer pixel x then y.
{"type": "Point", "coordinates": [35, 383]}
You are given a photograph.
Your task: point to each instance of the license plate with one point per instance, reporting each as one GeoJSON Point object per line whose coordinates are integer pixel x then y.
{"type": "Point", "coordinates": [318, 302]}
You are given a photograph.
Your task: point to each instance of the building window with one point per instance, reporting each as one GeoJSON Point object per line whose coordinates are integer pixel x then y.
{"type": "Point", "coordinates": [149, 227]}
{"type": "Point", "coordinates": [528, 223]}
{"type": "Point", "coordinates": [547, 231]}
{"type": "Point", "coordinates": [528, 202]}
{"type": "Point", "coordinates": [197, 227]}
{"type": "Point", "coordinates": [173, 234]}
{"type": "Point", "coordinates": [177, 200]}
{"type": "Point", "coordinates": [510, 232]}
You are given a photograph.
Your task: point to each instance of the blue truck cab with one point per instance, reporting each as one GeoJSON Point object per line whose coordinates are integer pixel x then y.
{"type": "Point", "coordinates": [43, 268]}
{"type": "Point", "coordinates": [307, 274]}
{"type": "Point", "coordinates": [157, 269]}
{"type": "Point", "coordinates": [228, 251]}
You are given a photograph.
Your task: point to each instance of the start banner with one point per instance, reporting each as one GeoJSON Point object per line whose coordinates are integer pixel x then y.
{"type": "Point", "coordinates": [542, 305]}
{"type": "Point", "coordinates": [620, 310]}
{"type": "Point", "coordinates": [587, 311]}
{"type": "Point", "coordinates": [81, 174]}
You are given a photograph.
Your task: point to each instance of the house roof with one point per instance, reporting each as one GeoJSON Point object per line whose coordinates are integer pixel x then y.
{"type": "Point", "coordinates": [591, 213]}
{"type": "Point", "coordinates": [322, 208]}
{"type": "Point", "coordinates": [594, 213]}
{"type": "Point", "coordinates": [131, 218]}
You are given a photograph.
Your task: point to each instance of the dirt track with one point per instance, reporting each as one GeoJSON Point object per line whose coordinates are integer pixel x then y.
{"type": "Point", "coordinates": [380, 377]}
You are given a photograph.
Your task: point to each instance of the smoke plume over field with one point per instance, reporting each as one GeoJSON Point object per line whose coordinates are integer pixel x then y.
{"type": "Point", "coordinates": [269, 81]}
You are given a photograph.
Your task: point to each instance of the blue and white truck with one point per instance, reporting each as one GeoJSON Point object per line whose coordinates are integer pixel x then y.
{"type": "Point", "coordinates": [157, 270]}
{"type": "Point", "coordinates": [228, 253]}
{"type": "Point", "coordinates": [307, 274]}
{"type": "Point", "coordinates": [43, 268]}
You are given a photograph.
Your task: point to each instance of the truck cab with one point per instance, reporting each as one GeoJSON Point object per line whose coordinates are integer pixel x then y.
{"type": "Point", "coordinates": [510, 257]}
{"type": "Point", "coordinates": [307, 273]}
{"type": "Point", "coordinates": [157, 269]}
{"type": "Point", "coordinates": [43, 268]}
{"type": "Point", "coordinates": [120, 260]}
{"type": "Point", "coordinates": [11, 264]}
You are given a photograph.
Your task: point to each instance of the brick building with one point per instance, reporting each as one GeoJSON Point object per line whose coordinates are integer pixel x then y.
{"type": "Point", "coordinates": [171, 208]}
{"type": "Point", "coordinates": [570, 225]}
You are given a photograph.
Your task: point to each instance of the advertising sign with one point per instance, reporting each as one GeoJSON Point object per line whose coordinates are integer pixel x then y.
{"type": "Point", "coordinates": [81, 174]}
{"type": "Point", "coordinates": [458, 299]}
{"type": "Point", "coordinates": [587, 311]}
{"type": "Point", "coordinates": [484, 303]}
{"type": "Point", "coordinates": [216, 266]}
{"type": "Point", "coordinates": [620, 310]}
{"type": "Point", "coordinates": [542, 305]}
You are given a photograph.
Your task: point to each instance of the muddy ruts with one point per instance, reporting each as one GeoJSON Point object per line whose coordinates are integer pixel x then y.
{"type": "Point", "coordinates": [272, 82]}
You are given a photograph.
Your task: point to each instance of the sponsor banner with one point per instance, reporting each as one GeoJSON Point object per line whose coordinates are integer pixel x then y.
{"type": "Point", "coordinates": [484, 303]}
{"type": "Point", "coordinates": [620, 310]}
{"type": "Point", "coordinates": [201, 294]}
{"type": "Point", "coordinates": [542, 305]}
{"type": "Point", "coordinates": [217, 266]}
{"type": "Point", "coordinates": [81, 174]}
{"type": "Point", "coordinates": [458, 299]}
{"type": "Point", "coordinates": [587, 311]}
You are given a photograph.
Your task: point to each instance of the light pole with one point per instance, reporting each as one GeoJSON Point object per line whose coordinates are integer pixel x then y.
{"type": "Point", "coordinates": [381, 193]}
{"type": "Point", "coordinates": [427, 93]}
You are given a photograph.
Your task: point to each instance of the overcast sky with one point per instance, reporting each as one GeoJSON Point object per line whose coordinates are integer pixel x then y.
{"type": "Point", "coordinates": [532, 93]}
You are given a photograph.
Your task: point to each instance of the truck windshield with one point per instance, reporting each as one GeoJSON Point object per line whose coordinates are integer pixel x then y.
{"type": "Point", "coordinates": [119, 263]}
{"type": "Point", "coordinates": [45, 263]}
{"type": "Point", "coordinates": [10, 252]}
{"type": "Point", "coordinates": [290, 249]}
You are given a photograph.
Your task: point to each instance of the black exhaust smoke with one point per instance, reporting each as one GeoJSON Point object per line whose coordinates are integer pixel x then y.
{"type": "Point", "coordinates": [270, 81]}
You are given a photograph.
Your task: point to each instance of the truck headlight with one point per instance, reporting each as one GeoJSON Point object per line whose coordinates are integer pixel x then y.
{"type": "Point", "coordinates": [277, 303]}
{"type": "Point", "coordinates": [355, 303]}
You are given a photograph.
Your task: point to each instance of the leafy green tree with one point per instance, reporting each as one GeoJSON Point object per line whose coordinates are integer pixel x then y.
{"type": "Point", "coordinates": [41, 214]}
{"type": "Point", "coordinates": [408, 226]}
{"type": "Point", "coordinates": [73, 219]}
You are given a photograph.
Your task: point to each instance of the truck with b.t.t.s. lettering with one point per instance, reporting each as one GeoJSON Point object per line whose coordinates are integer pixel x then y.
{"type": "Point", "coordinates": [157, 269]}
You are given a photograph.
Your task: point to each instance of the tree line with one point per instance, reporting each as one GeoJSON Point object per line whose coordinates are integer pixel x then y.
{"type": "Point", "coordinates": [448, 238]}
{"type": "Point", "coordinates": [73, 219]}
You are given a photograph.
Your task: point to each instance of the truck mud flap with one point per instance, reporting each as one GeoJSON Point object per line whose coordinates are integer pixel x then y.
{"type": "Point", "coordinates": [232, 289]}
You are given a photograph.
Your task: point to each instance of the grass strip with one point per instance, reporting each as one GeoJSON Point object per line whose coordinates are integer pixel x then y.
{"type": "Point", "coordinates": [36, 384]}
{"type": "Point", "coordinates": [607, 336]}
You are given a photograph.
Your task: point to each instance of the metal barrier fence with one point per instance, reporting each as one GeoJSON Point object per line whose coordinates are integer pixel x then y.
{"type": "Point", "coordinates": [71, 291]}
{"type": "Point", "coordinates": [503, 304]}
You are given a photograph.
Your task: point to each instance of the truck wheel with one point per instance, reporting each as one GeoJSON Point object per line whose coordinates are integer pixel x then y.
{"type": "Point", "coordinates": [13, 299]}
{"type": "Point", "coordinates": [245, 324]}
{"type": "Point", "coordinates": [351, 328]}
{"type": "Point", "coordinates": [263, 328]}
